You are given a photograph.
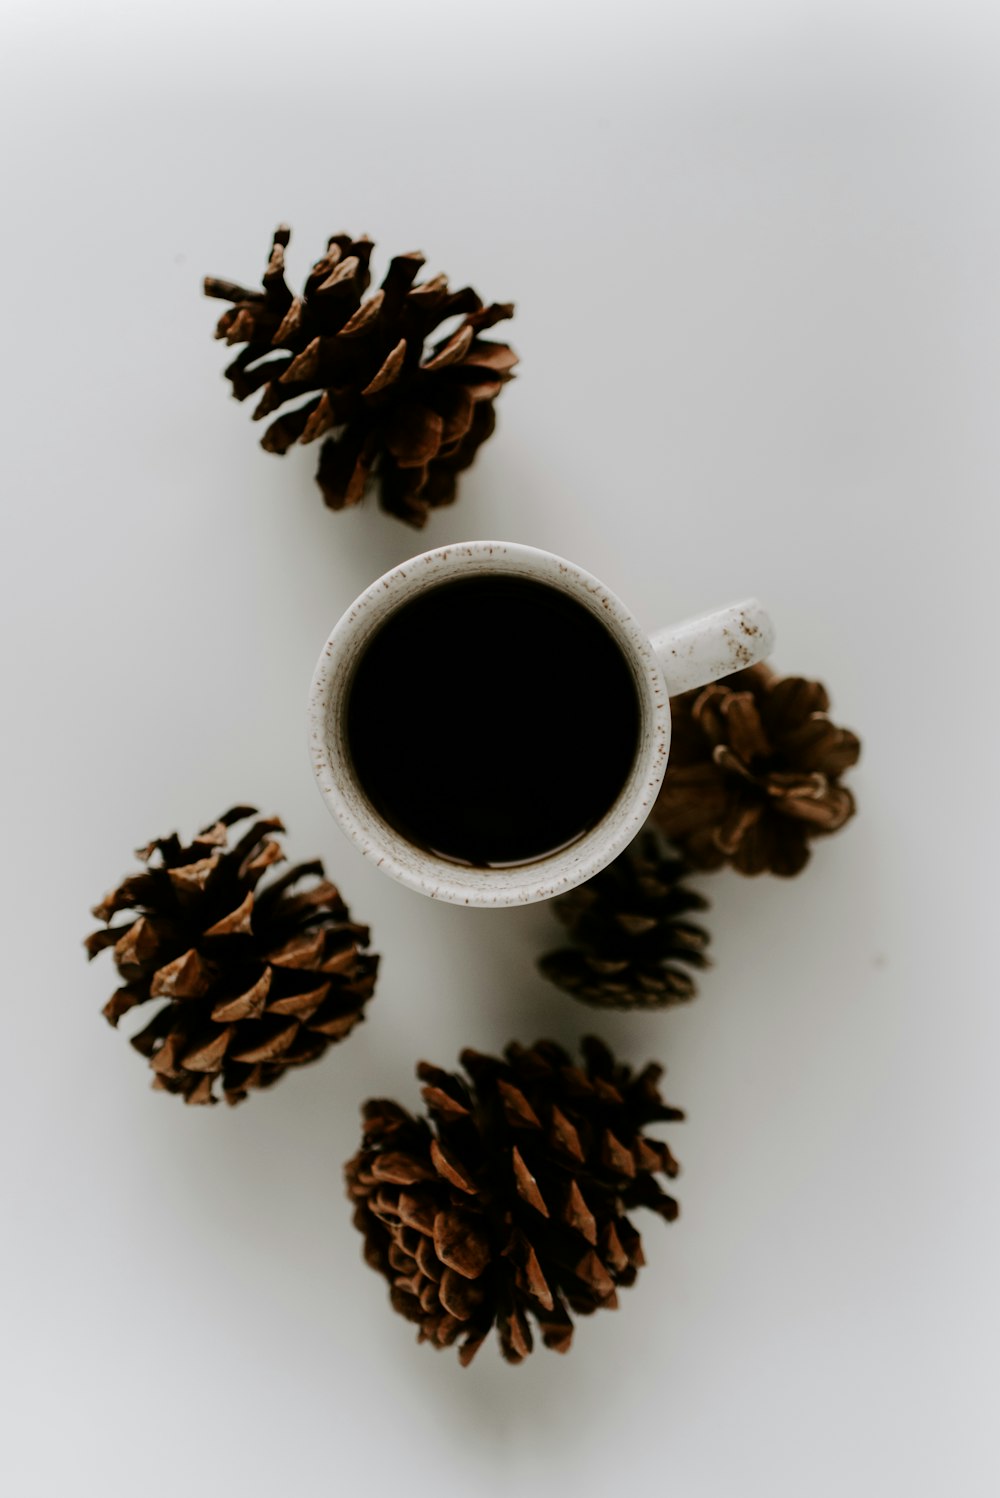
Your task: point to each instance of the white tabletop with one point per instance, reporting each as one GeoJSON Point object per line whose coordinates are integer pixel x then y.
{"type": "Point", "coordinates": [754, 249]}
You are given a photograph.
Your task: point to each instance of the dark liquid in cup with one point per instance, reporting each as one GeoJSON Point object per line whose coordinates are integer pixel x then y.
{"type": "Point", "coordinates": [492, 720]}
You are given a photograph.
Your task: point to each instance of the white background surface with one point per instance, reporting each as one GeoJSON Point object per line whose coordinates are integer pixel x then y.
{"type": "Point", "coordinates": [754, 249]}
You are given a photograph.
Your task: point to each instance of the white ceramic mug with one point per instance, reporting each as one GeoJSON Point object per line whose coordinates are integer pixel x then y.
{"type": "Point", "coordinates": [673, 660]}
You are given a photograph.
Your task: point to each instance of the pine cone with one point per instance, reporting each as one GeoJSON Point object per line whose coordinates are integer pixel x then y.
{"type": "Point", "coordinates": [510, 1200]}
{"type": "Point", "coordinates": [357, 369]}
{"type": "Point", "coordinates": [754, 773]}
{"type": "Point", "coordinates": [630, 933]}
{"type": "Point", "coordinates": [253, 981]}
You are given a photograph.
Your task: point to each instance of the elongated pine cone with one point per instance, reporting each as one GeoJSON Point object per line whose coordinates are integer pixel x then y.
{"type": "Point", "coordinates": [633, 944]}
{"type": "Point", "coordinates": [359, 371]}
{"type": "Point", "coordinates": [754, 773]}
{"type": "Point", "coordinates": [507, 1204]}
{"type": "Point", "coordinates": [252, 981]}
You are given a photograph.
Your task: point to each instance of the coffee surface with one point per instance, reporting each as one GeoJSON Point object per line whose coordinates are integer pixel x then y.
{"type": "Point", "coordinates": [492, 720]}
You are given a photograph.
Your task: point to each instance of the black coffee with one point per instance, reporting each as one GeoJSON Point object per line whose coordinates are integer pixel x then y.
{"type": "Point", "coordinates": [492, 720]}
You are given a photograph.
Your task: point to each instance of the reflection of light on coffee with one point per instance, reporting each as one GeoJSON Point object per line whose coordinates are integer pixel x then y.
{"type": "Point", "coordinates": [518, 863]}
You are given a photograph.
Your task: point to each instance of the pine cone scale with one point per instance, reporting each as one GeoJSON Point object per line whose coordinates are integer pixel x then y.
{"type": "Point", "coordinates": [246, 1005]}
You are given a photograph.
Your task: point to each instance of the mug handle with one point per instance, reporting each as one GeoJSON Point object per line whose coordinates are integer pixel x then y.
{"type": "Point", "coordinates": [700, 650]}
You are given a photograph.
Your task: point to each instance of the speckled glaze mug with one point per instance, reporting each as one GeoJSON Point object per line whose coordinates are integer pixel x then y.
{"type": "Point", "coordinates": [672, 660]}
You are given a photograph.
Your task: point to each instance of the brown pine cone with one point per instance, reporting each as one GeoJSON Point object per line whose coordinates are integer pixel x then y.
{"type": "Point", "coordinates": [630, 933]}
{"type": "Point", "coordinates": [754, 773]}
{"type": "Point", "coordinates": [358, 369]}
{"type": "Point", "coordinates": [252, 981]}
{"type": "Point", "coordinates": [509, 1201]}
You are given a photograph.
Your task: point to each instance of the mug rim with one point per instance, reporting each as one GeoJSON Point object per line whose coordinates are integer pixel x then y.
{"type": "Point", "coordinates": [428, 873]}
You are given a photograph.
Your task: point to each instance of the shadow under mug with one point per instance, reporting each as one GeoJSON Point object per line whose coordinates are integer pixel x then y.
{"type": "Point", "coordinates": [673, 660]}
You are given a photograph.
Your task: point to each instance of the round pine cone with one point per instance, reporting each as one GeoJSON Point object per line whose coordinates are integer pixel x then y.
{"type": "Point", "coordinates": [360, 373]}
{"type": "Point", "coordinates": [632, 942]}
{"type": "Point", "coordinates": [252, 981]}
{"type": "Point", "coordinates": [754, 773]}
{"type": "Point", "coordinates": [509, 1201]}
